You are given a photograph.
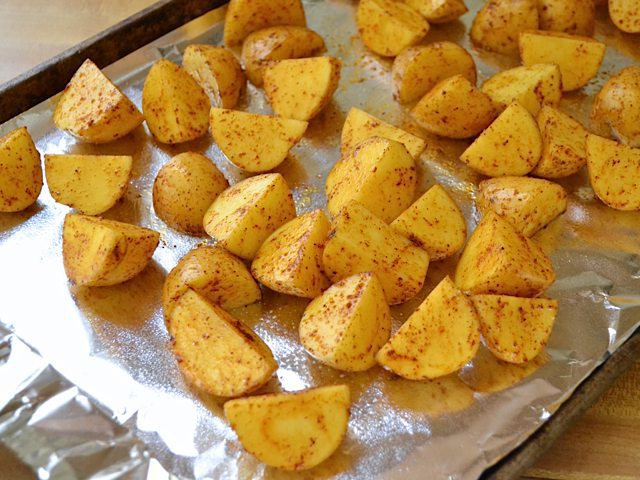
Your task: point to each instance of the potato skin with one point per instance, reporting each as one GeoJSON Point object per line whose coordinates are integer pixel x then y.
{"type": "Point", "coordinates": [625, 14]}
{"type": "Point", "coordinates": [20, 164]}
{"type": "Point", "coordinates": [498, 23]}
{"type": "Point", "coordinates": [577, 17]}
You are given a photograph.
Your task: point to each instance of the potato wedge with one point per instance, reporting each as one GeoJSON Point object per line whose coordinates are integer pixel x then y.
{"type": "Point", "coordinates": [292, 431]}
{"type": "Point", "coordinates": [91, 184]}
{"type": "Point", "coordinates": [379, 173]}
{"type": "Point", "coordinates": [361, 242]}
{"type": "Point", "coordinates": [184, 189]}
{"type": "Point", "coordinates": [529, 204]}
{"type": "Point", "coordinates": [434, 223]}
{"type": "Point", "coordinates": [99, 252]}
{"type": "Point", "coordinates": [93, 109]}
{"type": "Point", "coordinates": [454, 108]}
{"type": "Point", "coordinates": [515, 329]}
{"type": "Point", "coordinates": [579, 58]}
{"type": "Point", "coordinates": [437, 339]}
{"type": "Point", "coordinates": [511, 145]}
{"type": "Point", "coordinates": [346, 326]}
{"type": "Point", "coordinates": [387, 27]}
{"type": "Point", "coordinates": [614, 172]}
{"type": "Point", "coordinates": [625, 14]}
{"type": "Point", "coordinates": [439, 11]}
{"type": "Point", "coordinates": [20, 164]}
{"type": "Point", "coordinates": [175, 107]}
{"type": "Point", "coordinates": [577, 17]}
{"type": "Point", "coordinates": [418, 69]}
{"type": "Point", "coordinates": [497, 25]}
{"type": "Point", "coordinates": [244, 215]}
{"type": "Point", "coordinates": [253, 142]}
{"type": "Point", "coordinates": [564, 144]}
{"type": "Point", "coordinates": [246, 16]}
{"type": "Point", "coordinates": [217, 71]}
{"type": "Point", "coordinates": [217, 353]}
{"type": "Point", "coordinates": [532, 86]}
{"type": "Point", "coordinates": [277, 43]}
{"type": "Point", "coordinates": [215, 275]}
{"type": "Point", "coordinates": [290, 260]}
{"type": "Point", "coordinates": [499, 259]}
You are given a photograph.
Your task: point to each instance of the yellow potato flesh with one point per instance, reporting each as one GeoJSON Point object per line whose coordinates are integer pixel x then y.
{"type": "Point", "coordinates": [439, 11]}
{"type": "Point", "coordinates": [21, 178]}
{"type": "Point", "coordinates": [577, 17]}
{"type": "Point", "coordinates": [497, 25]}
{"type": "Point", "coordinates": [625, 14]}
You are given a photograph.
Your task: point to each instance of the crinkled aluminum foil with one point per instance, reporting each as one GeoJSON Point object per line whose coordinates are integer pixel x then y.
{"type": "Point", "coordinates": [111, 342]}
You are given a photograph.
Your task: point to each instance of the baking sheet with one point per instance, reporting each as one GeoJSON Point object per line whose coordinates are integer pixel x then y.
{"type": "Point", "coordinates": [111, 341]}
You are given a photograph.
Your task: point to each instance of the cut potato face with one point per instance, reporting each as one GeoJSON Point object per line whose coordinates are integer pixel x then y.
{"type": "Point", "coordinates": [301, 88]}
{"type": "Point", "coordinates": [614, 171]}
{"type": "Point", "coordinates": [100, 252]}
{"type": "Point", "coordinates": [498, 23]}
{"type": "Point", "coordinates": [217, 71]}
{"type": "Point", "coordinates": [379, 173]}
{"type": "Point", "coordinates": [564, 144]}
{"type": "Point", "coordinates": [361, 242]}
{"type": "Point", "coordinates": [418, 69]}
{"type": "Point", "coordinates": [215, 275]}
{"type": "Point", "coordinates": [346, 326]}
{"type": "Point", "coordinates": [498, 259]}
{"type": "Point", "coordinates": [184, 189]}
{"type": "Point", "coordinates": [515, 329]}
{"type": "Point", "coordinates": [434, 223]}
{"type": "Point", "coordinates": [244, 215]}
{"type": "Point", "coordinates": [175, 107]}
{"type": "Point", "coordinates": [454, 108]}
{"type": "Point", "coordinates": [529, 204]}
{"type": "Point", "coordinates": [437, 339]}
{"type": "Point", "coordinates": [277, 43]}
{"type": "Point", "coordinates": [579, 58]}
{"type": "Point", "coordinates": [511, 145]}
{"type": "Point", "coordinates": [387, 27]}
{"type": "Point", "coordinates": [253, 142]}
{"type": "Point", "coordinates": [91, 184]}
{"type": "Point", "coordinates": [290, 260]}
{"type": "Point", "coordinates": [217, 353]}
{"type": "Point", "coordinates": [577, 17]}
{"type": "Point", "coordinates": [625, 14]}
{"type": "Point", "coordinates": [292, 431]}
{"type": "Point", "coordinates": [93, 109]}
{"type": "Point", "coordinates": [439, 11]}
{"type": "Point", "coordinates": [20, 164]}
{"type": "Point", "coordinates": [359, 125]}
{"type": "Point", "coordinates": [246, 16]}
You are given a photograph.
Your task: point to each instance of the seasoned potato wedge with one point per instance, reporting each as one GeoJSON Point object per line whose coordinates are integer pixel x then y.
{"type": "Point", "coordinates": [418, 69]}
{"type": "Point", "coordinates": [435, 223]}
{"type": "Point", "coordinates": [529, 204]}
{"type": "Point", "coordinates": [216, 352]}
{"type": "Point", "coordinates": [346, 326]}
{"type": "Point", "coordinates": [511, 145]}
{"type": "Point", "coordinates": [94, 109]}
{"type": "Point", "coordinates": [277, 43]}
{"type": "Point", "coordinates": [437, 339]}
{"type": "Point", "coordinates": [579, 58]}
{"type": "Point", "coordinates": [439, 11]}
{"type": "Point", "coordinates": [387, 27]}
{"type": "Point", "coordinates": [244, 215]}
{"type": "Point", "coordinates": [20, 164]}
{"type": "Point", "coordinates": [515, 329]}
{"type": "Point", "coordinates": [532, 86]}
{"type": "Point", "coordinates": [499, 259]}
{"type": "Point", "coordinates": [100, 252]}
{"type": "Point", "coordinates": [254, 142]}
{"type": "Point", "coordinates": [625, 14]}
{"type": "Point", "coordinates": [214, 274]}
{"type": "Point", "coordinates": [301, 88]}
{"type": "Point", "coordinates": [577, 17]}
{"type": "Point", "coordinates": [290, 260]}
{"type": "Point", "coordinates": [564, 144]}
{"type": "Point", "coordinates": [184, 189]}
{"type": "Point", "coordinates": [454, 108]}
{"type": "Point", "coordinates": [246, 16]}
{"type": "Point", "coordinates": [498, 23]}
{"type": "Point", "coordinates": [379, 173]}
{"type": "Point", "coordinates": [175, 107]}
{"type": "Point", "coordinates": [614, 171]}
{"type": "Point", "coordinates": [91, 184]}
{"type": "Point", "coordinates": [217, 71]}
{"type": "Point", "coordinates": [292, 431]}
{"type": "Point", "coordinates": [361, 242]}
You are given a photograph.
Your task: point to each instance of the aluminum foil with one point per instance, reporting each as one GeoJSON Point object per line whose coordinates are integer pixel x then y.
{"type": "Point", "coordinates": [110, 344]}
